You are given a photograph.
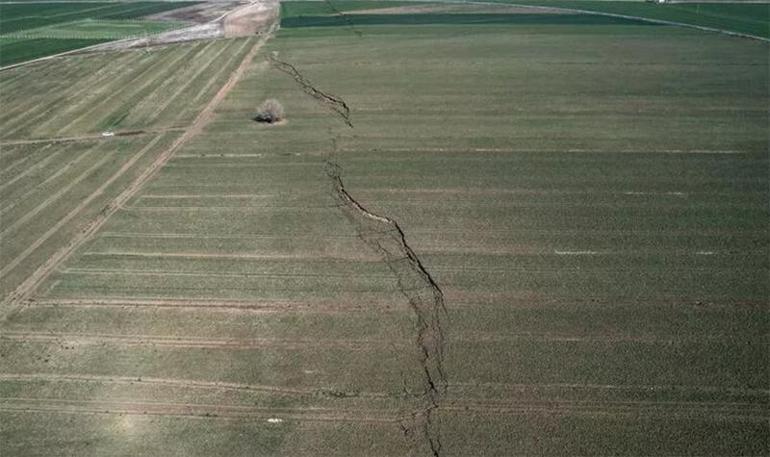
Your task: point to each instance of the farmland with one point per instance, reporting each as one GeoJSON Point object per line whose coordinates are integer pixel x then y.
{"type": "Point", "coordinates": [30, 30]}
{"type": "Point", "coordinates": [481, 230]}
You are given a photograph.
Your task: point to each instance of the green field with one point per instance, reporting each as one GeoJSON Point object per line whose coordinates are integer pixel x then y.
{"type": "Point", "coordinates": [583, 205]}
{"type": "Point", "coordinates": [747, 18]}
{"type": "Point", "coordinates": [32, 30]}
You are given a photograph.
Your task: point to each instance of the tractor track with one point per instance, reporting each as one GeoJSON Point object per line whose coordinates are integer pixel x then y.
{"type": "Point", "coordinates": [177, 383]}
{"type": "Point", "coordinates": [187, 342]}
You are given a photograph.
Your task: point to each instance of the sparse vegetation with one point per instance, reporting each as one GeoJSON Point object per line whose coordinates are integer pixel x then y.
{"type": "Point", "coordinates": [270, 112]}
{"type": "Point", "coordinates": [590, 201]}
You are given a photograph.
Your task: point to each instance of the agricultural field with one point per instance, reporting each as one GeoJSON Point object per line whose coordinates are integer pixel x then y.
{"type": "Point", "coordinates": [480, 230]}
{"type": "Point", "coordinates": [29, 30]}
{"type": "Point", "coordinates": [749, 18]}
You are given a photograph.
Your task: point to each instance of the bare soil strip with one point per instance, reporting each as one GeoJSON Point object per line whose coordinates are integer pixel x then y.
{"type": "Point", "coordinates": [41, 164]}
{"type": "Point", "coordinates": [630, 409]}
{"type": "Point", "coordinates": [33, 110]}
{"type": "Point", "coordinates": [215, 77]}
{"type": "Point", "coordinates": [363, 257]}
{"type": "Point", "coordinates": [26, 195]}
{"type": "Point", "coordinates": [30, 283]}
{"type": "Point", "coordinates": [273, 306]}
{"type": "Point", "coordinates": [182, 87]}
{"type": "Point", "coordinates": [55, 196]}
{"type": "Point", "coordinates": [171, 382]}
{"type": "Point", "coordinates": [561, 151]}
{"type": "Point", "coordinates": [194, 410]}
{"type": "Point", "coordinates": [180, 342]}
{"type": "Point", "coordinates": [10, 167]}
{"type": "Point", "coordinates": [129, 91]}
{"type": "Point", "coordinates": [164, 273]}
{"type": "Point", "coordinates": [27, 288]}
{"type": "Point", "coordinates": [93, 137]}
{"type": "Point", "coordinates": [110, 83]}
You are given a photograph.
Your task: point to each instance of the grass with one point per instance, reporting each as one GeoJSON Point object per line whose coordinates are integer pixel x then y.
{"type": "Point", "coordinates": [747, 18]}
{"type": "Point", "coordinates": [105, 101]}
{"type": "Point", "coordinates": [590, 199]}
{"type": "Point", "coordinates": [32, 30]}
{"type": "Point", "coordinates": [97, 29]}
{"type": "Point", "coordinates": [15, 50]}
{"type": "Point", "coordinates": [452, 18]}
{"type": "Point", "coordinates": [25, 16]}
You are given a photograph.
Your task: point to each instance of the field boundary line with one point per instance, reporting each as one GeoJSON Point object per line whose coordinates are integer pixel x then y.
{"type": "Point", "coordinates": [192, 410]}
{"type": "Point", "coordinates": [93, 137]}
{"type": "Point", "coordinates": [187, 342]}
{"type": "Point", "coordinates": [27, 288]}
{"type": "Point", "coordinates": [620, 16]}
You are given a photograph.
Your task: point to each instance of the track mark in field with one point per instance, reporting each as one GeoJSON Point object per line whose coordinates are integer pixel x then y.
{"type": "Point", "coordinates": [722, 410]}
{"type": "Point", "coordinates": [19, 222]}
{"type": "Point", "coordinates": [27, 288]}
{"type": "Point", "coordinates": [174, 383]}
{"type": "Point", "coordinates": [217, 305]}
{"type": "Point", "coordinates": [335, 103]}
{"type": "Point", "coordinates": [33, 168]}
{"type": "Point", "coordinates": [92, 137]}
{"type": "Point", "coordinates": [194, 410]}
{"type": "Point", "coordinates": [518, 387]}
{"type": "Point", "coordinates": [25, 196]}
{"type": "Point", "coordinates": [128, 90]}
{"type": "Point", "coordinates": [30, 283]}
{"type": "Point", "coordinates": [362, 257]}
{"type": "Point", "coordinates": [585, 252]}
{"type": "Point", "coordinates": [182, 87]}
{"type": "Point", "coordinates": [186, 342]}
{"type": "Point", "coordinates": [425, 298]}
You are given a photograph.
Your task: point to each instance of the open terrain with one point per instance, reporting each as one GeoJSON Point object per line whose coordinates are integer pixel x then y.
{"type": "Point", "coordinates": [30, 30]}
{"type": "Point", "coordinates": [481, 230]}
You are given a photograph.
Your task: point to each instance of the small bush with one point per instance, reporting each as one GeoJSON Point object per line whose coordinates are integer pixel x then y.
{"type": "Point", "coordinates": [270, 111]}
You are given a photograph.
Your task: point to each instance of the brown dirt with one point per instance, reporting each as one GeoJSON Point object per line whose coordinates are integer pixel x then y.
{"type": "Point", "coordinates": [250, 20]}
{"type": "Point", "coordinates": [199, 14]}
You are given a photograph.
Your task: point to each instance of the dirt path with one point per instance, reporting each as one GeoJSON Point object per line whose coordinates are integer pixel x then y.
{"type": "Point", "coordinates": [28, 287]}
{"type": "Point", "coordinates": [92, 137]}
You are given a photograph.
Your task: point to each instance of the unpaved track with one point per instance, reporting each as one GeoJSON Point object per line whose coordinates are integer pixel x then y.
{"type": "Point", "coordinates": [173, 383]}
{"type": "Point", "coordinates": [92, 137]}
{"type": "Point", "coordinates": [28, 287]}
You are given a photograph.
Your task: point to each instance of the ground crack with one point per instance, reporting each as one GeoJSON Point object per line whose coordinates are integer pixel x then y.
{"type": "Point", "coordinates": [334, 103]}
{"type": "Point", "coordinates": [344, 17]}
{"type": "Point", "coordinates": [425, 298]}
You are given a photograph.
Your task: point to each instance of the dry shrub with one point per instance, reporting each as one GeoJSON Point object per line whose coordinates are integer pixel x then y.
{"type": "Point", "coordinates": [270, 111]}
